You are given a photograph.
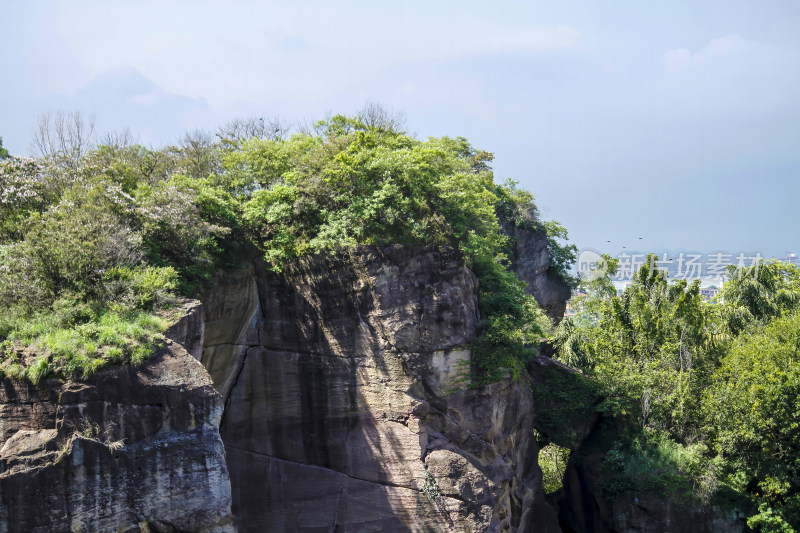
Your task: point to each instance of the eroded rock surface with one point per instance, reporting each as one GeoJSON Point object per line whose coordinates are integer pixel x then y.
{"type": "Point", "coordinates": [340, 413]}
{"type": "Point", "coordinates": [585, 506]}
{"type": "Point", "coordinates": [343, 411]}
{"type": "Point", "coordinates": [531, 262]}
{"type": "Point", "coordinates": [130, 449]}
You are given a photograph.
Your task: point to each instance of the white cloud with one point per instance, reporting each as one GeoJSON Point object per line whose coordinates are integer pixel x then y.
{"type": "Point", "coordinates": [731, 76]}
{"type": "Point", "coordinates": [728, 56]}
{"type": "Point", "coordinates": [678, 59]}
{"type": "Point", "coordinates": [265, 52]}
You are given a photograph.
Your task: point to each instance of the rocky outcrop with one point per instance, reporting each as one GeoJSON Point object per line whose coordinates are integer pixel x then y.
{"type": "Point", "coordinates": [188, 329]}
{"type": "Point", "coordinates": [531, 263]}
{"type": "Point", "coordinates": [566, 402]}
{"type": "Point", "coordinates": [585, 505]}
{"type": "Point", "coordinates": [655, 514]}
{"type": "Point", "coordinates": [340, 410]}
{"type": "Point", "coordinates": [130, 449]}
{"type": "Point", "coordinates": [344, 411]}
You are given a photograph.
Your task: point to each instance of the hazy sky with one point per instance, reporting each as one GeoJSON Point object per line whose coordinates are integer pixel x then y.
{"type": "Point", "coordinates": [677, 122]}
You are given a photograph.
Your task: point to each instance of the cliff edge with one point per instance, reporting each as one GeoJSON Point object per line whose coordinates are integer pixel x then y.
{"type": "Point", "coordinates": [129, 449]}
{"type": "Point", "coordinates": [342, 408]}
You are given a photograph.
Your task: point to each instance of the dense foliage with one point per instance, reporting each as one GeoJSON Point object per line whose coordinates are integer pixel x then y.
{"type": "Point", "coordinates": [85, 278]}
{"type": "Point", "coordinates": [95, 246]}
{"type": "Point", "coordinates": [706, 392]}
{"type": "Point", "coordinates": [351, 184]}
{"type": "Point", "coordinates": [98, 246]}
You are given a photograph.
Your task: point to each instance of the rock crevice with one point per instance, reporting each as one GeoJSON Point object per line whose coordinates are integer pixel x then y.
{"type": "Point", "coordinates": [342, 401]}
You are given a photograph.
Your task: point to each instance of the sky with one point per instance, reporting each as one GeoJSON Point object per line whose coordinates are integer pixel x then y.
{"type": "Point", "coordinates": [650, 125]}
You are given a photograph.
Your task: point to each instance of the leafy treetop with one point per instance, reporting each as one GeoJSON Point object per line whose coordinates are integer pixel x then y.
{"type": "Point", "coordinates": [118, 231]}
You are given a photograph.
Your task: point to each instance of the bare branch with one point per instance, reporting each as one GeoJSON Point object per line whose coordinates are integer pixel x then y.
{"type": "Point", "coordinates": [118, 138]}
{"type": "Point", "coordinates": [239, 130]}
{"type": "Point", "coordinates": [375, 115]}
{"type": "Point", "coordinates": [64, 137]}
{"type": "Point", "coordinates": [199, 152]}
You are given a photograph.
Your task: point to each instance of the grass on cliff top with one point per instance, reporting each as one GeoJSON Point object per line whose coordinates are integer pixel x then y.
{"type": "Point", "coordinates": [117, 231]}
{"type": "Point", "coordinates": [75, 340]}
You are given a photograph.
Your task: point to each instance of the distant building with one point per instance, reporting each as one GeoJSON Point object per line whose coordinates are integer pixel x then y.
{"type": "Point", "coordinates": [707, 293]}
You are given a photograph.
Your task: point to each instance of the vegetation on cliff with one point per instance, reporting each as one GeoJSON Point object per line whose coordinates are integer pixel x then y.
{"type": "Point", "coordinates": [96, 245]}
{"type": "Point", "coordinates": [706, 393]}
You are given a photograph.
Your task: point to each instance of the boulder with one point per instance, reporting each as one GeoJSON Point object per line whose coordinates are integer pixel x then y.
{"type": "Point", "coordinates": [129, 449]}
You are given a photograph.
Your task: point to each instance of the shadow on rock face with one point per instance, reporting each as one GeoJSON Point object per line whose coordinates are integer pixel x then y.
{"type": "Point", "coordinates": [125, 449]}
{"type": "Point", "coordinates": [337, 416]}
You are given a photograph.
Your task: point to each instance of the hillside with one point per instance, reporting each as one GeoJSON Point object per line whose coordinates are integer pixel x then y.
{"type": "Point", "coordinates": [382, 323]}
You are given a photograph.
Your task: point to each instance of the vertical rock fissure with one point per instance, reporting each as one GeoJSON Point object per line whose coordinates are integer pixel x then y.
{"type": "Point", "coordinates": [227, 399]}
{"type": "Point", "coordinates": [321, 423]}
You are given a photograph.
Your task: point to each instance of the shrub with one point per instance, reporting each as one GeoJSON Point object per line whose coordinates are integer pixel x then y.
{"type": "Point", "coordinates": [93, 246]}
{"type": "Point", "coordinates": [356, 184]}
{"type": "Point", "coordinates": [22, 192]}
{"type": "Point", "coordinates": [654, 464]}
{"type": "Point", "coordinates": [141, 288]}
{"type": "Point", "coordinates": [553, 462]}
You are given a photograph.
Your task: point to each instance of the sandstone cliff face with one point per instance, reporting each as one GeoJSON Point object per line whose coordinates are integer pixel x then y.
{"type": "Point", "coordinates": [127, 450]}
{"type": "Point", "coordinates": [531, 263]}
{"type": "Point", "coordinates": [339, 410]}
{"type": "Point", "coordinates": [341, 413]}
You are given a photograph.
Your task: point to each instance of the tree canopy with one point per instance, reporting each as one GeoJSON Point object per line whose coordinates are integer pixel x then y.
{"type": "Point", "coordinates": [120, 231]}
{"type": "Point", "coordinates": [707, 391]}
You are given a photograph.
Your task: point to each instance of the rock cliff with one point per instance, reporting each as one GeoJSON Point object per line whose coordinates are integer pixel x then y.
{"type": "Point", "coordinates": [126, 450]}
{"type": "Point", "coordinates": [338, 409]}
{"type": "Point", "coordinates": [584, 506]}
{"type": "Point", "coordinates": [531, 262]}
{"type": "Point", "coordinates": [340, 413]}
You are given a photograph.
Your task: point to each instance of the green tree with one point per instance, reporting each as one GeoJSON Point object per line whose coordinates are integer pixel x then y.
{"type": "Point", "coordinates": [574, 334]}
{"type": "Point", "coordinates": [92, 248]}
{"type": "Point", "coordinates": [645, 348]}
{"type": "Point", "coordinates": [707, 392]}
{"type": "Point", "coordinates": [23, 191]}
{"type": "Point", "coordinates": [753, 408]}
{"type": "Point", "coordinates": [358, 180]}
{"type": "Point", "coordinates": [3, 152]}
{"type": "Point", "coordinates": [118, 229]}
{"type": "Point", "coordinates": [562, 254]}
{"type": "Point", "coordinates": [759, 293]}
